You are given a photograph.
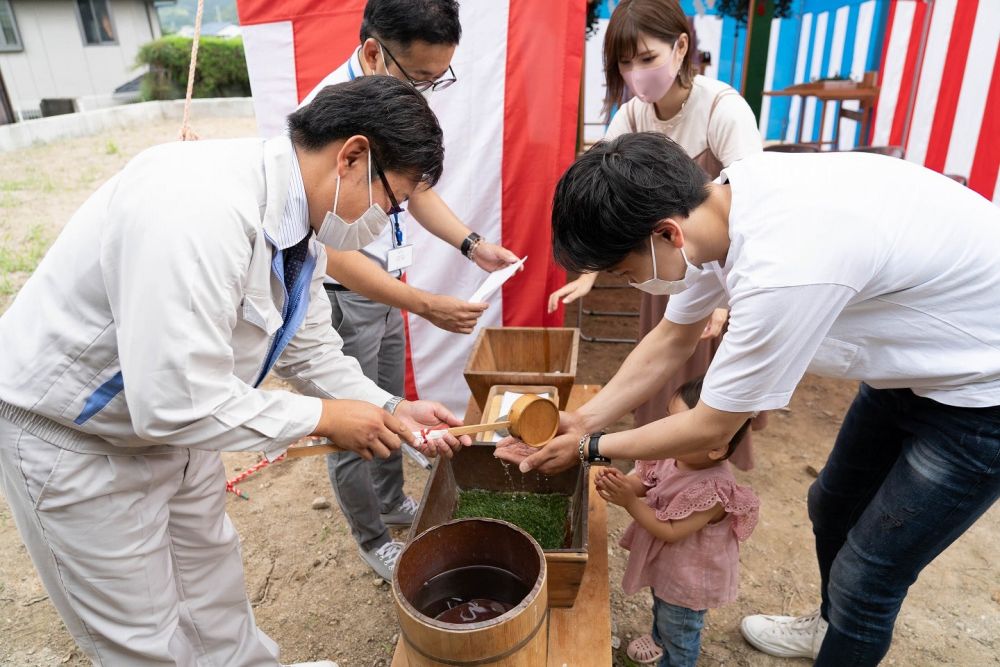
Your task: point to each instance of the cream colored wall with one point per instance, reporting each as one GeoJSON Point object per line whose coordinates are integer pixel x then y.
{"type": "Point", "coordinates": [56, 61]}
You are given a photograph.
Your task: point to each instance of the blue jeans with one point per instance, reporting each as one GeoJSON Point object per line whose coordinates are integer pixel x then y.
{"type": "Point", "coordinates": [678, 632]}
{"type": "Point", "coordinates": [906, 477]}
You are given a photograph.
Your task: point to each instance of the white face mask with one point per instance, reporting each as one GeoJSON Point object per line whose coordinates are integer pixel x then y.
{"type": "Point", "coordinates": [342, 235]}
{"type": "Point", "coordinates": [659, 287]}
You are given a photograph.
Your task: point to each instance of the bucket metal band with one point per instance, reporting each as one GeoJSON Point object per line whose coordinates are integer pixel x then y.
{"type": "Point", "coordinates": [481, 661]}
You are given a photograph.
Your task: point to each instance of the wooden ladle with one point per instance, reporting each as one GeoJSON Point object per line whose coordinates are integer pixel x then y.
{"type": "Point", "coordinates": [533, 419]}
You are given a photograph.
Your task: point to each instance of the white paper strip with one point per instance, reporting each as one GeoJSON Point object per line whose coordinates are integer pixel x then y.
{"type": "Point", "coordinates": [495, 281]}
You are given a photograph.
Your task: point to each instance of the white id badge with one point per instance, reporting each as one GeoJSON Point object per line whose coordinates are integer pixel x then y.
{"type": "Point", "coordinates": [399, 258]}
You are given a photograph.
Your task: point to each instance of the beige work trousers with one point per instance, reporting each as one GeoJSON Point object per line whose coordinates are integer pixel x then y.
{"type": "Point", "coordinates": [136, 552]}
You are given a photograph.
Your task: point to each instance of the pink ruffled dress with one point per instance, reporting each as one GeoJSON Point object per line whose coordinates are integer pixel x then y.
{"type": "Point", "coordinates": [702, 570]}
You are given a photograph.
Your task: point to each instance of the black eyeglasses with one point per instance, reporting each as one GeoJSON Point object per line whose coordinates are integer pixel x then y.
{"type": "Point", "coordinates": [396, 209]}
{"type": "Point", "coordinates": [421, 86]}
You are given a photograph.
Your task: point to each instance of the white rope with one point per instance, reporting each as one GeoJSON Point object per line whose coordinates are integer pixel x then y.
{"type": "Point", "coordinates": [187, 134]}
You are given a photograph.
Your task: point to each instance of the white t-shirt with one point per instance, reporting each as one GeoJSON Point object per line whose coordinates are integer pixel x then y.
{"type": "Point", "coordinates": [856, 266]}
{"type": "Point", "coordinates": [377, 250]}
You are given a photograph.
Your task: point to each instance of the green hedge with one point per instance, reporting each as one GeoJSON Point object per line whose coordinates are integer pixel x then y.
{"type": "Point", "coordinates": [222, 68]}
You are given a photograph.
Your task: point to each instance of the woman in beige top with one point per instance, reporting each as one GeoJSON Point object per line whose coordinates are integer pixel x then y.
{"type": "Point", "coordinates": [647, 49]}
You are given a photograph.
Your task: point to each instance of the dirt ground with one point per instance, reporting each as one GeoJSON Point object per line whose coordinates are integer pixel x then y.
{"type": "Point", "coordinates": [312, 593]}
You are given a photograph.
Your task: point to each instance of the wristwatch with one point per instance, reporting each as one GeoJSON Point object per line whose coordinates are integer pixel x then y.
{"type": "Point", "coordinates": [469, 244]}
{"type": "Point", "coordinates": [393, 403]}
{"type": "Point", "coordinates": [588, 449]}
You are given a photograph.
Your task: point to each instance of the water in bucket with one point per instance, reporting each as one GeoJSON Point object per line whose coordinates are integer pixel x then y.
{"type": "Point", "coordinates": [470, 594]}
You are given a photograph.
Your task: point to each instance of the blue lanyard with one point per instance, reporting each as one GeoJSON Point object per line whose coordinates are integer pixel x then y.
{"type": "Point", "coordinates": [397, 230]}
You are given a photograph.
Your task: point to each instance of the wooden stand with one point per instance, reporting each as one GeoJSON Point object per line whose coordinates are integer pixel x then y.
{"type": "Point", "coordinates": [865, 93]}
{"type": "Point", "coordinates": [580, 635]}
{"type": "Point", "coordinates": [523, 356]}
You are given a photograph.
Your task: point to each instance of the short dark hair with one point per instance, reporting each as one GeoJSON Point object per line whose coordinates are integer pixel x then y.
{"type": "Point", "coordinates": [610, 200]}
{"type": "Point", "coordinates": [690, 394]}
{"type": "Point", "coordinates": [406, 21]}
{"type": "Point", "coordinates": [403, 131]}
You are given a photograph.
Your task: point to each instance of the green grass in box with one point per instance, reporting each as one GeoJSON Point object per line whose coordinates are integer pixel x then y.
{"type": "Point", "coordinates": [541, 515]}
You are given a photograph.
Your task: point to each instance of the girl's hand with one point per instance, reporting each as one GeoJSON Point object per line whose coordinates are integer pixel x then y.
{"type": "Point", "coordinates": [604, 473]}
{"type": "Point", "coordinates": [638, 488]}
{"type": "Point", "coordinates": [615, 489]}
{"type": "Point", "coordinates": [572, 291]}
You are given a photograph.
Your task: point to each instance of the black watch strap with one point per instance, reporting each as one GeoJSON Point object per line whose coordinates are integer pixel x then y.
{"type": "Point", "coordinates": [470, 241]}
{"type": "Point", "coordinates": [593, 456]}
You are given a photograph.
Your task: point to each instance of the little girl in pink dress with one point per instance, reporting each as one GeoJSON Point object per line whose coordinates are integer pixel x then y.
{"type": "Point", "coordinates": [689, 517]}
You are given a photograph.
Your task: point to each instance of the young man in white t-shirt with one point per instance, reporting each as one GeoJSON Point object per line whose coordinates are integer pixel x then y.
{"type": "Point", "coordinates": [848, 265]}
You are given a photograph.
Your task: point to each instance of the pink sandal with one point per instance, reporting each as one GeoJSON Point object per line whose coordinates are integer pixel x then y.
{"type": "Point", "coordinates": [643, 650]}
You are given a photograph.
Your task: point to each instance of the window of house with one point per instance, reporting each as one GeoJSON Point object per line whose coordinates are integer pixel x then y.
{"type": "Point", "coordinates": [10, 40]}
{"type": "Point", "coordinates": [95, 18]}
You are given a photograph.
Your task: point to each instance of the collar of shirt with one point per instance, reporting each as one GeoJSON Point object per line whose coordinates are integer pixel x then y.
{"type": "Point", "coordinates": [354, 68]}
{"type": "Point", "coordinates": [295, 218]}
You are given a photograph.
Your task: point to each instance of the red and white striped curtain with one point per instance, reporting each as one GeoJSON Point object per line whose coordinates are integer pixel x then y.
{"type": "Point", "coordinates": [940, 95]}
{"type": "Point", "coordinates": [510, 126]}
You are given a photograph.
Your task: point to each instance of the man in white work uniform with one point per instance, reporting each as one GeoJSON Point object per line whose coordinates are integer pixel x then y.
{"type": "Point", "coordinates": [413, 41]}
{"type": "Point", "coordinates": [134, 355]}
{"type": "Point", "coordinates": [849, 265]}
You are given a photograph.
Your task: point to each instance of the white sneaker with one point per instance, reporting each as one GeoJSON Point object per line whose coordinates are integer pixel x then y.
{"type": "Point", "coordinates": [403, 514]}
{"type": "Point", "coordinates": [383, 559]}
{"type": "Point", "coordinates": [318, 663]}
{"type": "Point", "coordinates": [785, 636]}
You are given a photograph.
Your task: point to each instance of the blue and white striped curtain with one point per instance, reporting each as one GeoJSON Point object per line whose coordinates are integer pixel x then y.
{"type": "Point", "coordinates": [822, 38]}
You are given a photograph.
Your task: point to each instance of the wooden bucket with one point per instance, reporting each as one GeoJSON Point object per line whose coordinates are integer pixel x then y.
{"type": "Point", "coordinates": [517, 638]}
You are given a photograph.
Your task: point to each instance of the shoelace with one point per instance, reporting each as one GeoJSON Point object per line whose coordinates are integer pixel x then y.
{"type": "Point", "coordinates": [389, 552]}
{"type": "Point", "coordinates": [409, 505]}
{"type": "Point", "coordinates": [800, 624]}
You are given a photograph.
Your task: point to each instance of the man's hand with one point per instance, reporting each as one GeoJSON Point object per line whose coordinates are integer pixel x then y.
{"type": "Point", "coordinates": [428, 415]}
{"type": "Point", "coordinates": [491, 257]}
{"type": "Point", "coordinates": [714, 327]}
{"type": "Point", "coordinates": [573, 290]}
{"type": "Point", "coordinates": [451, 314]}
{"type": "Point", "coordinates": [614, 487]}
{"type": "Point", "coordinates": [561, 453]}
{"type": "Point", "coordinates": [362, 428]}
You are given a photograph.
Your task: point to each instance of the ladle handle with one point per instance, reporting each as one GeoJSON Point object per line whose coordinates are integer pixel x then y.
{"type": "Point", "coordinates": [478, 428]}
{"type": "Point", "coordinates": [311, 450]}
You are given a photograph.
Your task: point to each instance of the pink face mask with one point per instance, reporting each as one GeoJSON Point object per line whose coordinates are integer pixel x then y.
{"type": "Point", "coordinates": [650, 85]}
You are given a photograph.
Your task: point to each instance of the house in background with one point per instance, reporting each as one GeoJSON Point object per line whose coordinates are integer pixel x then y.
{"type": "Point", "coordinates": [71, 54]}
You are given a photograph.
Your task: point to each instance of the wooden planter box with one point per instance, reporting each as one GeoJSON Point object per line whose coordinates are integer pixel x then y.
{"type": "Point", "coordinates": [523, 356]}
{"type": "Point", "coordinates": [475, 468]}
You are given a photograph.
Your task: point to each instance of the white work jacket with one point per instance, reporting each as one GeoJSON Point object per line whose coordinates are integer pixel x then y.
{"type": "Point", "coordinates": [154, 316]}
